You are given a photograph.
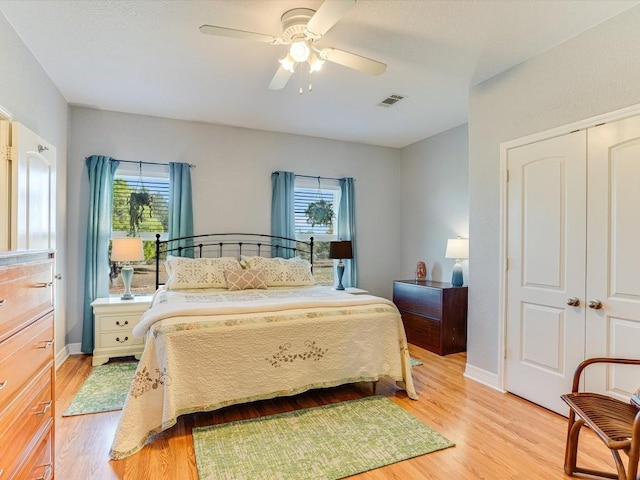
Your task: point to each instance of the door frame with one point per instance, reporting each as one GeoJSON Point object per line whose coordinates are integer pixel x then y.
{"type": "Point", "coordinates": [504, 148]}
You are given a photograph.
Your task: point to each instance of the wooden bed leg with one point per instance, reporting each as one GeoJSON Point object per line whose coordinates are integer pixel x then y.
{"type": "Point", "coordinates": [374, 385]}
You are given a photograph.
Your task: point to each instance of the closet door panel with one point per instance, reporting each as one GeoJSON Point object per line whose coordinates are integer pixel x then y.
{"type": "Point", "coordinates": [546, 254]}
{"type": "Point", "coordinates": [613, 259]}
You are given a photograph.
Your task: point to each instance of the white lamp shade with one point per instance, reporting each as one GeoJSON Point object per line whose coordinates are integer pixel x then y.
{"type": "Point", "coordinates": [127, 250]}
{"type": "Point", "coordinates": [457, 248]}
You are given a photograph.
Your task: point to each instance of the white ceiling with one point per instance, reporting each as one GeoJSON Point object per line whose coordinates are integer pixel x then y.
{"type": "Point", "coordinates": [148, 57]}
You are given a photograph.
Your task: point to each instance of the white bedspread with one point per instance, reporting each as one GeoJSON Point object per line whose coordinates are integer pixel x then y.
{"type": "Point", "coordinates": [213, 348]}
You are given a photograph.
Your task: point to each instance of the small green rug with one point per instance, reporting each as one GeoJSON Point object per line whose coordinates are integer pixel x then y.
{"type": "Point", "coordinates": [328, 442]}
{"type": "Point", "coordinates": [415, 362]}
{"type": "Point", "coordinates": [105, 389]}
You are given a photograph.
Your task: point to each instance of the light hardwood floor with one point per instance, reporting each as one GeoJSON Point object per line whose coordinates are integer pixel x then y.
{"type": "Point", "coordinates": [497, 436]}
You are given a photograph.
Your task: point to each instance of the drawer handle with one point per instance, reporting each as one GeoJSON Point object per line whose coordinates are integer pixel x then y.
{"type": "Point", "coordinates": [47, 406]}
{"type": "Point", "coordinates": [45, 284]}
{"type": "Point", "coordinates": [3, 384]}
{"type": "Point", "coordinates": [126, 322]}
{"type": "Point", "coordinates": [47, 344]}
{"type": "Point", "coordinates": [126, 339]}
{"type": "Point", "coordinates": [2, 302]}
{"type": "Point", "coordinates": [46, 472]}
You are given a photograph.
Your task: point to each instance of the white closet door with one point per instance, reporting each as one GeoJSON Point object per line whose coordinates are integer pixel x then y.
{"type": "Point", "coordinates": [613, 261]}
{"type": "Point", "coordinates": [33, 191]}
{"type": "Point", "coordinates": [546, 267]}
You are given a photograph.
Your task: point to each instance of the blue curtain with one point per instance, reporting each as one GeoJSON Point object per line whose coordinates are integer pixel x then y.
{"type": "Point", "coordinates": [96, 271]}
{"type": "Point", "coordinates": [347, 229]}
{"type": "Point", "coordinates": [180, 207]}
{"type": "Point", "coordinates": [283, 220]}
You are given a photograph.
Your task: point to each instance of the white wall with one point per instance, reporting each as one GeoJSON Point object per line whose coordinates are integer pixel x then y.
{"type": "Point", "coordinates": [593, 73]}
{"type": "Point", "coordinates": [28, 93]}
{"type": "Point", "coordinates": [232, 183]}
{"type": "Point", "coordinates": [434, 196]}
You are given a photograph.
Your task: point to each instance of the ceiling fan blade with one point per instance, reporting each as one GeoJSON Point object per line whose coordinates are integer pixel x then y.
{"type": "Point", "coordinates": [328, 15]}
{"type": "Point", "coordinates": [280, 79]}
{"type": "Point", "coordinates": [230, 32]}
{"type": "Point", "coordinates": [352, 60]}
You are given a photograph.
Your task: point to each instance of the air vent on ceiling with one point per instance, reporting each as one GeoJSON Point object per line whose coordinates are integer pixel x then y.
{"type": "Point", "coordinates": [391, 100]}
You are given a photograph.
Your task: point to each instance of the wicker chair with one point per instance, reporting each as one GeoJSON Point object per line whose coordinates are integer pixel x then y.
{"type": "Point", "coordinates": [617, 424]}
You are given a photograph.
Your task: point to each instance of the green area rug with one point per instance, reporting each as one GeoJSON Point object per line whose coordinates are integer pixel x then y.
{"type": "Point", "coordinates": [327, 442]}
{"type": "Point", "coordinates": [105, 389]}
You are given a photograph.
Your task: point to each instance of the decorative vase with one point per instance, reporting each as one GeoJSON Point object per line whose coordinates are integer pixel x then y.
{"type": "Point", "coordinates": [421, 271]}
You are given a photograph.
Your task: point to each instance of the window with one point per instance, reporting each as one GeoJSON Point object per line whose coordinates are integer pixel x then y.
{"type": "Point", "coordinates": [316, 213]}
{"type": "Point", "coordinates": [140, 208]}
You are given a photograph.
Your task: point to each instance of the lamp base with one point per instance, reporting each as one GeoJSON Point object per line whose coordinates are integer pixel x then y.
{"type": "Point", "coordinates": [456, 277]}
{"type": "Point", "coordinates": [340, 274]}
{"type": "Point", "coordinates": [127, 277]}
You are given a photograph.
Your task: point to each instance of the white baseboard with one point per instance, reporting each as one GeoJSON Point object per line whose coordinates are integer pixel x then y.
{"type": "Point", "coordinates": [61, 356]}
{"type": "Point", "coordinates": [74, 348]}
{"type": "Point", "coordinates": [482, 376]}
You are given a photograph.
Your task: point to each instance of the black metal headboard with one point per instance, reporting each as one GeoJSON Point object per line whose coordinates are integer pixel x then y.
{"type": "Point", "coordinates": [231, 244]}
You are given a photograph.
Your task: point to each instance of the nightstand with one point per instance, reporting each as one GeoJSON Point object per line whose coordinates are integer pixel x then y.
{"type": "Point", "coordinates": [114, 322]}
{"type": "Point", "coordinates": [434, 314]}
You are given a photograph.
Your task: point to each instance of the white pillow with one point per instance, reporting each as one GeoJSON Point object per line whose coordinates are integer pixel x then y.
{"type": "Point", "coordinates": [281, 272]}
{"type": "Point", "coordinates": [198, 272]}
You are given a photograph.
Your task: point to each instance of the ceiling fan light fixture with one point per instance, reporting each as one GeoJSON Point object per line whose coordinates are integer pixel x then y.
{"type": "Point", "coordinates": [300, 51]}
{"type": "Point", "coordinates": [315, 64]}
{"type": "Point", "coordinates": [288, 63]}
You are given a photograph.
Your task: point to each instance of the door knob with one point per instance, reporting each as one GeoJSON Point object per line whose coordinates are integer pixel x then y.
{"type": "Point", "coordinates": [595, 304]}
{"type": "Point", "coordinates": [573, 301]}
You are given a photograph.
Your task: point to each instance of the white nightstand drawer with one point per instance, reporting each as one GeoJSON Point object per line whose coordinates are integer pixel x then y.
{"type": "Point", "coordinates": [117, 323]}
{"type": "Point", "coordinates": [119, 339]}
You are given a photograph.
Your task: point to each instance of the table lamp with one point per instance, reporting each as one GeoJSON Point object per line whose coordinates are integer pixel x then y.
{"type": "Point", "coordinates": [127, 250]}
{"type": "Point", "coordinates": [457, 248]}
{"type": "Point", "coordinates": [340, 250]}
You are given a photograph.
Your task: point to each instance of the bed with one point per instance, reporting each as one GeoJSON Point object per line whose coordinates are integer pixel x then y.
{"type": "Point", "coordinates": [273, 333]}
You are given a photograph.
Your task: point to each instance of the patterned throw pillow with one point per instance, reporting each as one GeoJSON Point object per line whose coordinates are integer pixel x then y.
{"type": "Point", "coordinates": [245, 279]}
{"type": "Point", "coordinates": [281, 272]}
{"type": "Point", "coordinates": [198, 272]}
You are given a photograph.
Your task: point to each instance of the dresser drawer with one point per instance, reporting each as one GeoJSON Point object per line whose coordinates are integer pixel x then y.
{"type": "Point", "coordinates": [22, 356]}
{"type": "Point", "coordinates": [39, 465]}
{"type": "Point", "coordinates": [25, 420]}
{"type": "Point", "coordinates": [25, 293]}
{"type": "Point", "coordinates": [422, 331]}
{"type": "Point", "coordinates": [418, 299]}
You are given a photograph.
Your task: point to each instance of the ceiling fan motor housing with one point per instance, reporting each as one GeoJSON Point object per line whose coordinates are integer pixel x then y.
{"type": "Point", "coordinates": [294, 23]}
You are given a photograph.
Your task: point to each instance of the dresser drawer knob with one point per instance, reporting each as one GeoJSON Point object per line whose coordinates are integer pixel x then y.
{"type": "Point", "coordinates": [44, 284]}
{"type": "Point", "coordinates": [126, 322]}
{"type": "Point", "coordinates": [3, 384]}
{"type": "Point", "coordinates": [2, 302]}
{"type": "Point", "coordinates": [47, 406]}
{"type": "Point", "coordinates": [46, 473]}
{"type": "Point", "coordinates": [47, 344]}
{"type": "Point", "coordinates": [126, 339]}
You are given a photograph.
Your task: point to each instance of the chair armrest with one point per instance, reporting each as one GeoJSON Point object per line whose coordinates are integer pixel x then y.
{"type": "Point", "coordinates": [590, 361]}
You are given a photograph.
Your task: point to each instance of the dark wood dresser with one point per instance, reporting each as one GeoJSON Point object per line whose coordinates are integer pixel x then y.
{"type": "Point", "coordinates": [434, 314]}
{"type": "Point", "coordinates": [27, 373]}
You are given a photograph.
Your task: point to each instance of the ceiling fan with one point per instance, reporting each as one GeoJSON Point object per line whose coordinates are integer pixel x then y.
{"type": "Point", "coordinates": [302, 28]}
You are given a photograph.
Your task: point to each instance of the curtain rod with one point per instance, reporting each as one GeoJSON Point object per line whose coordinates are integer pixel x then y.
{"type": "Point", "coordinates": [318, 177]}
{"type": "Point", "coordinates": [151, 163]}
{"type": "Point", "coordinates": [147, 163]}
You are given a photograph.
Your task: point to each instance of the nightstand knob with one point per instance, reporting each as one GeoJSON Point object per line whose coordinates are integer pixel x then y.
{"type": "Point", "coordinates": [126, 339]}
{"type": "Point", "coordinates": [126, 322]}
